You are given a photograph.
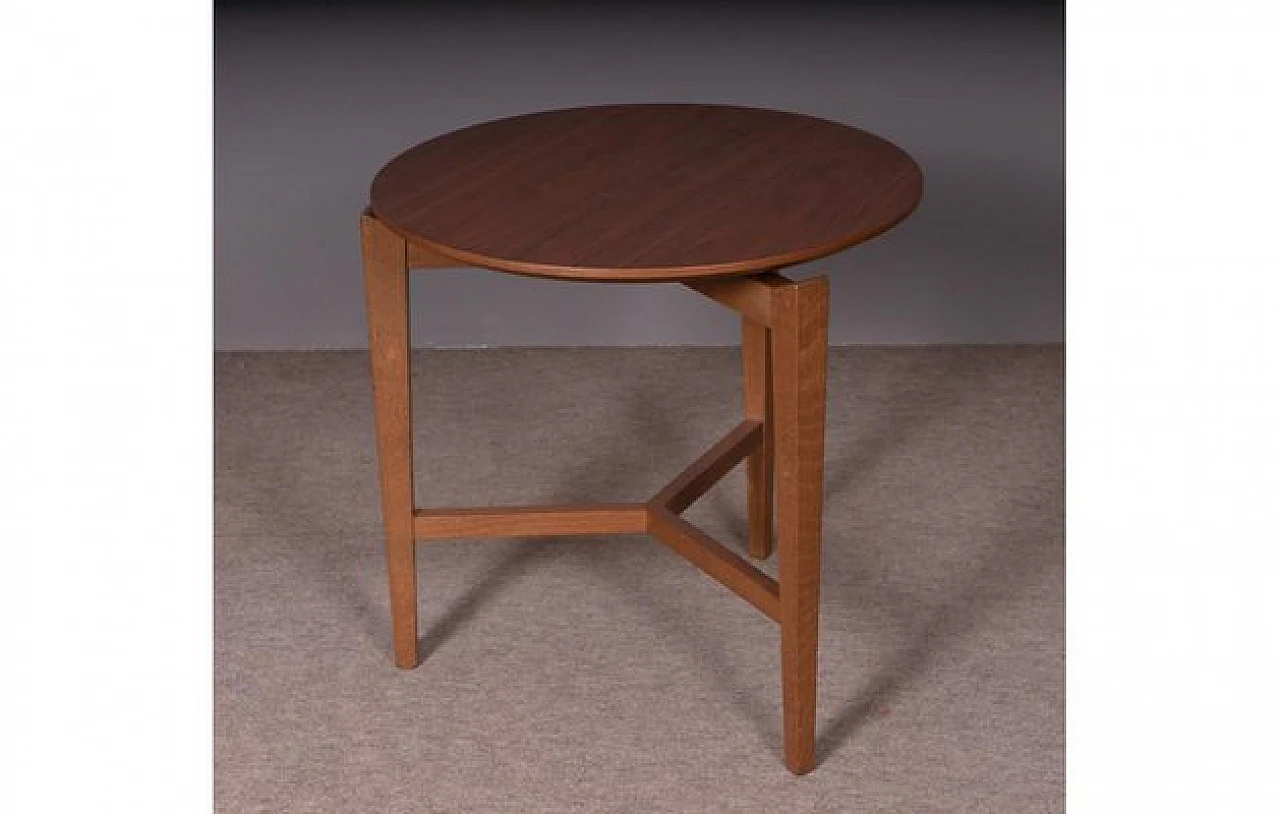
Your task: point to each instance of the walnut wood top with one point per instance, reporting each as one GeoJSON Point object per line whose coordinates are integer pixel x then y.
{"type": "Point", "coordinates": [646, 192]}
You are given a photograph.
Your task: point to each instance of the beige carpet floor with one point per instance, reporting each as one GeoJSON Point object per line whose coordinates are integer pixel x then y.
{"type": "Point", "coordinates": [609, 675]}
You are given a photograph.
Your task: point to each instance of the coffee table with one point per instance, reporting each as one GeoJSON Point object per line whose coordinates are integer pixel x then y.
{"type": "Point", "coordinates": [716, 198]}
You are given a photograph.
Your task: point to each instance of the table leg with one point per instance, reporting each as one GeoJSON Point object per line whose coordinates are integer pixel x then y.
{"type": "Point", "coordinates": [386, 279]}
{"type": "Point", "coordinates": [799, 355]}
{"type": "Point", "coordinates": [756, 387]}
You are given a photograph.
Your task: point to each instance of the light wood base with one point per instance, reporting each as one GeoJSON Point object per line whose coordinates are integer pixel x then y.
{"type": "Point", "coordinates": [784, 351]}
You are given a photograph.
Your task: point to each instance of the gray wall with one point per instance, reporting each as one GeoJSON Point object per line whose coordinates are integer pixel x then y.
{"type": "Point", "coordinates": [311, 101]}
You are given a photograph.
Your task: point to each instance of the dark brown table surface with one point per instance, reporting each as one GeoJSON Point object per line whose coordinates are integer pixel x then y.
{"type": "Point", "coordinates": [646, 192]}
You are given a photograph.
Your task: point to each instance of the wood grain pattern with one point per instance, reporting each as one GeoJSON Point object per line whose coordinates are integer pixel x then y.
{"type": "Point", "coordinates": [646, 191]}
{"type": "Point", "coordinates": [530, 521]}
{"type": "Point", "coordinates": [713, 465]}
{"type": "Point", "coordinates": [757, 405]}
{"type": "Point", "coordinates": [386, 278]}
{"type": "Point", "coordinates": [716, 561]}
{"type": "Point", "coordinates": [799, 351]}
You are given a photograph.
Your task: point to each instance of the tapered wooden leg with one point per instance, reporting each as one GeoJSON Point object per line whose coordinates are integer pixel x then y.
{"type": "Point", "coordinates": [756, 386]}
{"type": "Point", "coordinates": [799, 351]}
{"type": "Point", "coordinates": [386, 279]}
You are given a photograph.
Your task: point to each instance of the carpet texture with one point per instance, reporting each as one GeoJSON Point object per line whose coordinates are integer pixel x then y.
{"type": "Point", "coordinates": [607, 674]}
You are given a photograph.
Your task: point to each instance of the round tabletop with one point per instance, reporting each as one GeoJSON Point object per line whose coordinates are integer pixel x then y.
{"type": "Point", "coordinates": [646, 192]}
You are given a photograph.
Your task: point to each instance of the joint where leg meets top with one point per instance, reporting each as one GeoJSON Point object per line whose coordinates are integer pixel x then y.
{"type": "Point", "coordinates": [755, 296]}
